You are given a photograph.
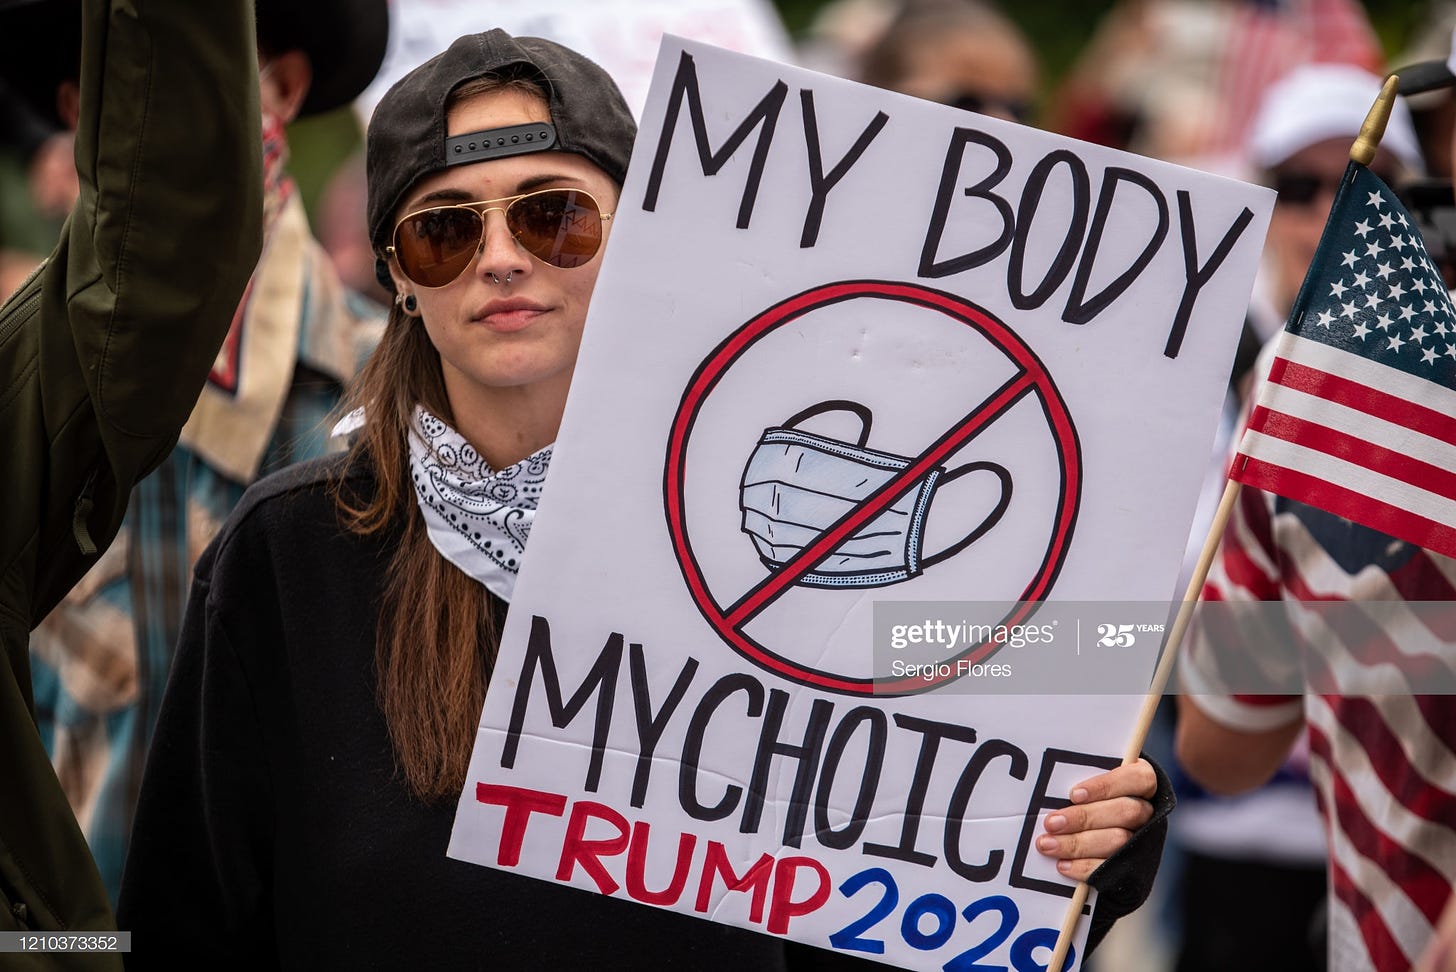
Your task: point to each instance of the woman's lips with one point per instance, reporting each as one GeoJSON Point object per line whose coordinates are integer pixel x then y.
{"type": "Point", "coordinates": [508, 315]}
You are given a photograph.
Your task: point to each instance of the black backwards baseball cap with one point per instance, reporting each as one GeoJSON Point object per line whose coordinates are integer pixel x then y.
{"type": "Point", "coordinates": [406, 139]}
{"type": "Point", "coordinates": [1428, 75]}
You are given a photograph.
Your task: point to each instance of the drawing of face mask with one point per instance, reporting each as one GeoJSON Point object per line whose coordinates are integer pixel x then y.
{"type": "Point", "coordinates": [797, 485]}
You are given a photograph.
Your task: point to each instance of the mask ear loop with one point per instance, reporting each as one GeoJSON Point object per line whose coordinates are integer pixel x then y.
{"type": "Point", "coordinates": [994, 517]}
{"type": "Point", "coordinates": [866, 417]}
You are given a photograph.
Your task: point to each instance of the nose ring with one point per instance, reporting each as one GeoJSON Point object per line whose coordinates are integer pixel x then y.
{"type": "Point", "coordinates": [498, 280]}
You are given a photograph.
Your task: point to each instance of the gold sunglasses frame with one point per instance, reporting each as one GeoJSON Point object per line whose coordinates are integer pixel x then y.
{"type": "Point", "coordinates": [501, 205]}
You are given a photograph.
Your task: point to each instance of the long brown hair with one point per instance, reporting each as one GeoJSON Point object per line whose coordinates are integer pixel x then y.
{"type": "Point", "coordinates": [438, 628]}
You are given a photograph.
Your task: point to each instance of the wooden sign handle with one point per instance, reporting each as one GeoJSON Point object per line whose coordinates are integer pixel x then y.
{"type": "Point", "coordinates": [1155, 691]}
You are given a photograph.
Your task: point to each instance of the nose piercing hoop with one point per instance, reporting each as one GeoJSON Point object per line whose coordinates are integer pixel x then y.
{"type": "Point", "coordinates": [498, 280]}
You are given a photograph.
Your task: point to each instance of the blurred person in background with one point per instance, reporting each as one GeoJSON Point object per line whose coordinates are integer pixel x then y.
{"type": "Point", "coordinates": [1261, 42]}
{"type": "Point", "coordinates": [961, 53]}
{"type": "Point", "coordinates": [101, 355]}
{"type": "Point", "coordinates": [39, 181]}
{"type": "Point", "coordinates": [1381, 763]}
{"type": "Point", "coordinates": [1253, 888]}
{"type": "Point", "coordinates": [343, 232]}
{"type": "Point", "coordinates": [1146, 80]}
{"type": "Point", "coordinates": [100, 659]}
{"type": "Point", "coordinates": [841, 32]}
{"type": "Point", "coordinates": [1299, 145]}
{"type": "Point", "coordinates": [1433, 112]}
{"type": "Point", "coordinates": [1181, 80]}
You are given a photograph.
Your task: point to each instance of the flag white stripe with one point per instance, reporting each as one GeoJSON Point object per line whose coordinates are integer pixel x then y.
{"type": "Point", "coordinates": [1401, 917]}
{"type": "Point", "coordinates": [1251, 547]}
{"type": "Point", "coordinates": [1345, 948]}
{"type": "Point", "coordinates": [1366, 482]}
{"type": "Point", "coordinates": [1354, 367]}
{"type": "Point", "coordinates": [1428, 755]}
{"type": "Point", "coordinates": [1325, 576]}
{"type": "Point", "coordinates": [1445, 565]}
{"type": "Point", "coordinates": [1368, 428]}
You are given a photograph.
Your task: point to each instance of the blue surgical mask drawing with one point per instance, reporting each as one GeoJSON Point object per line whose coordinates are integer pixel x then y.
{"type": "Point", "coordinates": [798, 484]}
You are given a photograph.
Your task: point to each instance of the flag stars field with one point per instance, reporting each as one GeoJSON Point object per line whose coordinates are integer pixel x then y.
{"type": "Point", "coordinates": [1386, 288]}
{"type": "Point", "coordinates": [1358, 413]}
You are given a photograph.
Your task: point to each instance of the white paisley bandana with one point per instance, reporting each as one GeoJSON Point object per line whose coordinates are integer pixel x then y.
{"type": "Point", "coordinates": [478, 519]}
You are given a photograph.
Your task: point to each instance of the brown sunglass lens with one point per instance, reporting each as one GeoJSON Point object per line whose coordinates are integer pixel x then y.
{"type": "Point", "coordinates": [563, 229]}
{"type": "Point", "coordinates": [435, 246]}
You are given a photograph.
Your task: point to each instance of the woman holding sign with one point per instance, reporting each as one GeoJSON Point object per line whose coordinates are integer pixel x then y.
{"type": "Point", "coordinates": [301, 787]}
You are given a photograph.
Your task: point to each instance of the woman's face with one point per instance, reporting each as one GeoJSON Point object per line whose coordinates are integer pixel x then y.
{"type": "Point", "coordinates": [986, 71]}
{"type": "Point", "coordinates": [509, 321]}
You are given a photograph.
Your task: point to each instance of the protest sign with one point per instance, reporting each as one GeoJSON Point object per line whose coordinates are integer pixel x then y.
{"type": "Point", "coordinates": [852, 354]}
{"type": "Point", "coordinates": [620, 35]}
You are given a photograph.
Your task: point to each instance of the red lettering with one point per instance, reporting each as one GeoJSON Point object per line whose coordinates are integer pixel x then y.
{"type": "Point", "coordinates": [520, 803]}
{"type": "Point", "coordinates": [637, 865]}
{"type": "Point", "coordinates": [782, 905]}
{"type": "Point", "coordinates": [756, 877]}
{"type": "Point", "coordinates": [576, 849]}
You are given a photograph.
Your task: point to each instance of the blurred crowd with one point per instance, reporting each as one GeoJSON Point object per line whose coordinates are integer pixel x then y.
{"type": "Point", "coordinates": [1266, 91]}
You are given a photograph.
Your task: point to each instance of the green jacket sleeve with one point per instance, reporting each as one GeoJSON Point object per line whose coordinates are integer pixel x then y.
{"type": "Point", "coordinates": [135, 301]}
{"type": "Point", "coordinates": [102, 354]}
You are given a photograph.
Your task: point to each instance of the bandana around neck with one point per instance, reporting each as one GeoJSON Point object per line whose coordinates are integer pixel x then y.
{"type": "Point", "coordinates": [478, 519]}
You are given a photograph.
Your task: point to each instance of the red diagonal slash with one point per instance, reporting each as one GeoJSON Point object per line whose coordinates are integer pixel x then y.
{"type": "Point", "coordinates": [813, 553]}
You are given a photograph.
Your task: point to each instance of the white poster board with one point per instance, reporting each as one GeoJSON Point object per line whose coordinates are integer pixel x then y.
{"type": "Point", "coordinates": [1033, 333]}
{"type": "Point", "coordinates": [620, 35]}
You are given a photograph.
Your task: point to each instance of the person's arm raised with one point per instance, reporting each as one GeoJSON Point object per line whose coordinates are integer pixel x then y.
{"type": "Point", "coordinates": [139, 294]}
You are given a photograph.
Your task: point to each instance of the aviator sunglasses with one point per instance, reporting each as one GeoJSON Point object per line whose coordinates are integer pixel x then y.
{"type": "Point", "coordinates": [1298, 188]}
{"type": "Point", "coordinates": [559, 227]}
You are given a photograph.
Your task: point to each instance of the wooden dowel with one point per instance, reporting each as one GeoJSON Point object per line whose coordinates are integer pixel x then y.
{"type": "Point", "coordinates": [1155, 692]}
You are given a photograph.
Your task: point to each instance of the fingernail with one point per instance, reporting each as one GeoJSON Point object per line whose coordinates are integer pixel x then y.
{"type": "Point", "coordinates": [1079, 794]}
{"type": "Point", "coordinates": [1056, 822]}
{"type": "Point", "coordinates": [1045, 843]}
{"type": "Point", "coordinates": [1064, 866]}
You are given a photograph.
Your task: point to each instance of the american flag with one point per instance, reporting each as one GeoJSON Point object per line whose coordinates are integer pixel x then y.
{"type": "Point", "coordinates": [1265, 39]}
{"type": "Point", "coordinates": [1358, 416]}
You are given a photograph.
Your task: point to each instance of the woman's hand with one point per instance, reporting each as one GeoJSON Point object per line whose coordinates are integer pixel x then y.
{"type": "Point", "coordinates": [1105, 811]}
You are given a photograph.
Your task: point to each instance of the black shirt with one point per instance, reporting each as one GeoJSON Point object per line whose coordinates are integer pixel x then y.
{"type": "Point", "coordinates": [274, 831]}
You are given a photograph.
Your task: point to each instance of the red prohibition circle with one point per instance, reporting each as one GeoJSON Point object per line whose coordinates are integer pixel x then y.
{"type": "Point", "coordinates": [1033, 379]}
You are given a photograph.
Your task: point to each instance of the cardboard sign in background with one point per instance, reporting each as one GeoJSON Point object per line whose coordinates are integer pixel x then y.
{"type": "Point", "coordinates": [620, 35]}
{"type": "Point", "coordinates": [1026, 336]}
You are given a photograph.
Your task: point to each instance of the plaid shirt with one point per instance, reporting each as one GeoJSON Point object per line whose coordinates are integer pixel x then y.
{"type": "Point", "coordinates": [100, 659]}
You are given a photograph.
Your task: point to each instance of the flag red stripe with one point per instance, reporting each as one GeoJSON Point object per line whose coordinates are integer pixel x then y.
{"type": "Point", "coordinates": [1362, 452]}
{"type": "Point", "coordinates": [1419, 579]}
{"type": "Point", "coordinates": [1424, 885]}
{"type": "Point", "coordinates": [1402, 778]}
{"type": "Point", "coordinates": [1239, 564]}
{"type": "Point", "coordinates": [1244, 571]}
{"type": "Point", "coordinates": [1363, 398]}
{"type": "Point", "coordinates": [1254, 518]}
{"type": "Point", "coordinates": [1371, 512]}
